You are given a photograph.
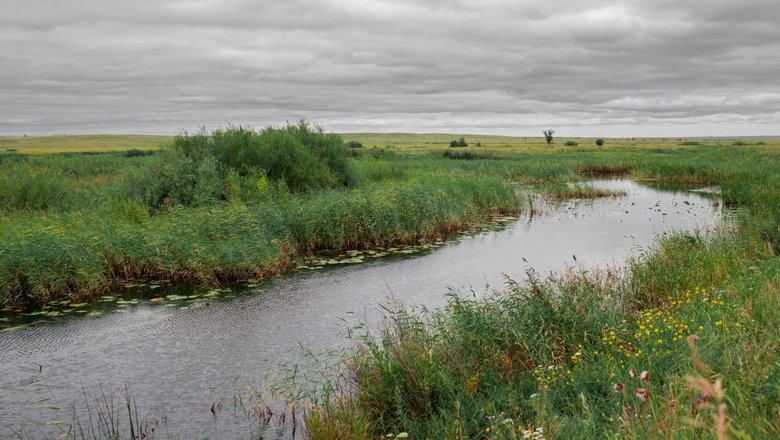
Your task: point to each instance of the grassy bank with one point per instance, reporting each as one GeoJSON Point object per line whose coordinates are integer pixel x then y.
{"type": "Point", "coordinates": [72, 226]}
{"type": "Point", "coordinates": [581, 356]}
{"type": "Point", "coordinates": [684, 346]}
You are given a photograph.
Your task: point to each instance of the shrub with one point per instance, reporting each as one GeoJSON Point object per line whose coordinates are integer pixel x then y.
{"type": "Point", "coordinates": [599, 142]}
{"type": "Point", "coordinates": [138, 153]}
{"type": "Point", "coordinates": [459, 143]}
{"type": "Point", "coordinates": [571, 143]}
{"type": "Point", "coordinates": [467, 155]}
{"type": "Point", "coordinates": [353, 144]}
{"type": "Point", "coordinates": [194, 170]}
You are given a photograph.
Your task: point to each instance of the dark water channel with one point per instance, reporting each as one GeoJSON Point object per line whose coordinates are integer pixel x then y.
{"type": "Point", "coordinates": [171, 356]}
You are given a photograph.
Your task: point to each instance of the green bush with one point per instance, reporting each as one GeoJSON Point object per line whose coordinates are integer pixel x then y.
{"type": "Point", "coordinates": [134, 152]}
{"type": "Point", "coordinates": [570, 143]}
{"type": "Point", "coordinates": [459, 143]}
{"type": "Point", "coordinates": [195, 169]}
{"type": "Point", "coordinates": [599, 142]}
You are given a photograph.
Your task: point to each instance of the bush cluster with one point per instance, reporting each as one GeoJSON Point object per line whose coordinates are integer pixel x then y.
{"type": "Point", "coordinates": [459, 143]}
{"type": "Point", "coordinates": [200, 168]}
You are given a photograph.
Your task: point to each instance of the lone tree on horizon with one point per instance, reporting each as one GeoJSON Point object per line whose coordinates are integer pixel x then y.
{"type": "Point", "coordinates": [548, 136]}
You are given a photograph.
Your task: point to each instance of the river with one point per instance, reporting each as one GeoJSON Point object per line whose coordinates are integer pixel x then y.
{"type": "Point", "coordinates": [171, 356]}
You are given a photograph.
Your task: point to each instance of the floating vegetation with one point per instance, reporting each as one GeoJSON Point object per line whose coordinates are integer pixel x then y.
{"type": "Point", "coordinates": [580, 191]}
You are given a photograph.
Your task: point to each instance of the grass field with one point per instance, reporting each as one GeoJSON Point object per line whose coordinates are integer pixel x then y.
{"type": "Point", "coordinates": [80, 143]}
{"type": "Point", "coordinates": [684, 347]}
{"type": "Point", "coordinates": [408, 142]}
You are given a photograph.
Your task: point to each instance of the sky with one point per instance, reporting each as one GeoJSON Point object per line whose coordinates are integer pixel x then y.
{"type": "Point", "coordinates": [509, 67]}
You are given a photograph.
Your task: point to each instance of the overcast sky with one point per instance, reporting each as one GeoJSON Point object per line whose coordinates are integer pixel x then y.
{"type": "Point", "coordinates": [583, 67]}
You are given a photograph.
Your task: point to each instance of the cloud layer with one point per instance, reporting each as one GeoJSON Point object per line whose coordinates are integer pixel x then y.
{"type": "Point", "coordinates": [586, 67]}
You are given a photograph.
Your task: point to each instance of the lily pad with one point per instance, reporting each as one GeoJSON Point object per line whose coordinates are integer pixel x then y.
{"type": "Point", "coordinates": [15, 328]}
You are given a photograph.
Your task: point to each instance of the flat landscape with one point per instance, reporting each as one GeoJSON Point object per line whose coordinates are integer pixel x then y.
{"type": "Point", "coordinates": [679, 340]}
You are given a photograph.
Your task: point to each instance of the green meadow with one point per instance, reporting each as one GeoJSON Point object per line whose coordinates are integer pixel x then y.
{"type": "Point", "coordinates": [684, 346]}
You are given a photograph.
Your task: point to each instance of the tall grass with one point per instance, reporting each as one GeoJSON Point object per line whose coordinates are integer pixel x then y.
{"type": "Point", "coordinates": [75, 253]}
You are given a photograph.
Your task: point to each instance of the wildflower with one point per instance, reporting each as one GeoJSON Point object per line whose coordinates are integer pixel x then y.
{"type": "Point", "coordinates": [618, 387]}
{"type": "Point", "coordinates": [405, 434]}
{"type": "Point", "coordinates": [672, 403]}
{"type": "Point", "coordinates": [644, 376]}
{"type": "Point", "coordinates": [693, 338]}
{"type": "Point", "coordinates": [642, 394]}
{"type": "Point", "coordinates": [630, 347]}
{"type": "Point", "coordinates": [718, 323]}
{"type": "Point", "coordinates": [632, 372]}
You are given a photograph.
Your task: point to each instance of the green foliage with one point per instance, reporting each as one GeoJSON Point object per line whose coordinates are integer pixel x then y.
{"type": "Point", "coordinates": [25, 188]}
{"type": "Point", "coordinates": [43, 257]}
{"type": "Point", "coordinates": [459, 143]}
{"type": "Point", "coordinates": [466, 155]}
{"type": "Point", "coordinates": [570, 143]}
{"type": "Point", "coordinates": [353, 144]}
{"type": "Point", "coordinates": [195, 169]}
{"type": "Point", "coordinates": [600, 142]}
{"type": "Point", "coordinates": [134, 152]}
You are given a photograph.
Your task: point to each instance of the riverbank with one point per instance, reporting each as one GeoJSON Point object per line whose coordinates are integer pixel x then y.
{"type": "Point", "coordinates": [684, 347]}
{"type": "Point", "coordinates": [69, 231]}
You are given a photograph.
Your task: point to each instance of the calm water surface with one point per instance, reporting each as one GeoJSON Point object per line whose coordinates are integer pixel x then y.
{"type": "Point", "coordinates": [171, 357]}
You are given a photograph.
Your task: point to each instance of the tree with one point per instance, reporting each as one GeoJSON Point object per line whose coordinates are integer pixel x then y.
{"type": "Point", "coordinates": [459, 143]}
{"type": "Point", "coordinates": [600, 141]}
{"type": "Point", "coordinates": [548, 136]}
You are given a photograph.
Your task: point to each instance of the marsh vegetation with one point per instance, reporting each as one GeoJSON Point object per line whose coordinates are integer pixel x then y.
{"type": "Point", "coordinates": [697, 312]}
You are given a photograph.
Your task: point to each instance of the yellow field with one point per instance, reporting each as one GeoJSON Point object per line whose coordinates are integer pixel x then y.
{"type": "Point", "coordinates": [433, 141]}
{"type": "Point", "coordinates": [80, 143]}
{"type": "Point", "coordinates": [402, 141]}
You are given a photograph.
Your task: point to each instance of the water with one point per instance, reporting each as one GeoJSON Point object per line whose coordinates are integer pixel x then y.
{"type": "Point", "coordinates": [171, 356]}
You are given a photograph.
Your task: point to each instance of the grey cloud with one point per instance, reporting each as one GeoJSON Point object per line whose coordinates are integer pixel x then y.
{"type": "Point", "coordinates": [588, 66]}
